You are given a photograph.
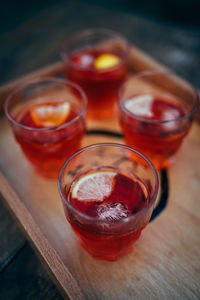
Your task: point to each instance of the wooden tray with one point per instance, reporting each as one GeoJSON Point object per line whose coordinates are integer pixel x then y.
{"type": "Point", "coordinates": [165, 262]}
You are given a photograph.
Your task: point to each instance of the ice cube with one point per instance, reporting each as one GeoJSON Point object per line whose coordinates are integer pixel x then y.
{"type": "Point", "coordinates": [86, 60]}
{"type": "Point", "coordinates": [171, 115]}
{"type": "Point", "coordinates": [112, 212]}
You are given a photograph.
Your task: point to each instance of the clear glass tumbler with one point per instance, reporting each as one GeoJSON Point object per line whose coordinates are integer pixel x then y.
{"type": "Point", "coordinates": [47, 116]}
{"type": "Point", "coordinates": [97, 60]}
{"type": "Point", "coordinates": [108, 193]}
{"type": "Point", "coordinates": [156, 113]}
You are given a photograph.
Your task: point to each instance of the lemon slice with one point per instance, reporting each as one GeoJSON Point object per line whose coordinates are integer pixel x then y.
{"type": "Point", "coordinates": [106, 61]}
{"type": "Point", "coordinates": [49, 115]}
{"type": "Point", "coordinates": [94, 186]}
{"type": "Point", "coordinates": [140, 105]}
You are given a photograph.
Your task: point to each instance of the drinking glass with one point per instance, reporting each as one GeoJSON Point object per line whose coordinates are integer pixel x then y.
{"type": "Point", "coordinates": [97, 60]}
{"type": "Point", "coordinates": [108, 227]}
{"type": "Point", "coordinates": [156, 113]}
{"type": "Point", "coordinates": [47, 146]}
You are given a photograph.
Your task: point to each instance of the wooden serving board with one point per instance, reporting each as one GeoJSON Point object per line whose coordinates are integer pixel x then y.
{"type": "Point", "coordinates": [165, 262]}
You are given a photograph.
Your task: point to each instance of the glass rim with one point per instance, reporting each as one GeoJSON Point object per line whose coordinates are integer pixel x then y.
{"type": "Point", "coordinates": [89, 218]}
{"type": "Point", "coordinates": [87, 32]}
{"type": "Point", "coordinates": [146, 73]}
{"type": "Point", "coordinates": [38, 80]}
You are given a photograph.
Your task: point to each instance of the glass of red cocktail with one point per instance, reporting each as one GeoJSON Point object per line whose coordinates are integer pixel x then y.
{"type": "Point", "coordinates": [97, 60]}
{"type": "Point", "coordinates": [156, 113]}
{"type": "Point", "coordinates": [47, 117]}
{"type": "Point", "coordinates": [108, 198]}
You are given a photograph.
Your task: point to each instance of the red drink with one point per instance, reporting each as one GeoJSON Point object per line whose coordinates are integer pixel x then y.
{"type": "Point", "coordinates": [158, 142]}
{"type": "Point", "coordinates": [101, 85]}
{"type": "Point", "coordinates": [110, 196]}
{"type": "Point", "coordinates": [47, 150]}
{"type": "Point", "coordinates": [47, 117]}
{"type": "Point", "coordinates": [108, 199]}
{"type": "Point", "coordinates": [98, 69]}
{"type": "Point", "coordinates": [156, 113]}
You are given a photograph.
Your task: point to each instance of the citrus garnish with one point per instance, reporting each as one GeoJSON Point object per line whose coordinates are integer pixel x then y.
{"type": "Point", "coordinates": [50, 115]}
{"type": "Point", "coordinates": [94, 186]}
{"type": "Point", "coordinates": [106, 61]}
{"type": "Point", "coordinates": [140, 105]}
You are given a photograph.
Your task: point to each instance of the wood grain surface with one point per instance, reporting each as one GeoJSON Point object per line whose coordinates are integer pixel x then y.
{"type": "Point", "coordinates": [165, 261]}
{"type": "Point", "coordinates": [32, 41]}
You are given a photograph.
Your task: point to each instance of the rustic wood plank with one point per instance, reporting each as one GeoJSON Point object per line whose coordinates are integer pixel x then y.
{"type": "Point", "coordinates": [12, 243]}
{"type": "Point", "coordinates": [49, 255]}
{"type": "Point", "coordinates": [163, 263]}
{"type": "Point", "coordinates": [51, 70]}
{"type": "Point", "coordinates": [39, 200]}
{"type": "Point", "coordinates": [29, 46]}
{"type": "Point", "coordinates": [25, 278]}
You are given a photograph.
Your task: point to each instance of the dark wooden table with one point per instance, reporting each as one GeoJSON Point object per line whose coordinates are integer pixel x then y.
{"type": "Point", "coordinates": [33, 41]}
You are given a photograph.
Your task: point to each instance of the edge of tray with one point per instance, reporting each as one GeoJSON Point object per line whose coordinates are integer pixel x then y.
{"type": "Point", "coordinates": [139, 61]}
{"type": "Point", "coordinates": [58, 269]}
